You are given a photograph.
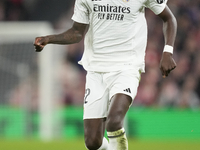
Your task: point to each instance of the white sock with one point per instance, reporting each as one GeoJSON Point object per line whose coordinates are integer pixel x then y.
{"type": "Point", "coordinates": [104, 145]}
{"type": "Point", "coordinates": [118, 140]}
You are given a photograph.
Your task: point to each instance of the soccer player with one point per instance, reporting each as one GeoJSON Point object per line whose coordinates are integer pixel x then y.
{"type": "Point", "coordinates": [115, 34]}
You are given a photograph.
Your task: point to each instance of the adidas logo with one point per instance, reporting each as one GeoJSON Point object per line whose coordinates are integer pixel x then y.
{"type": "Point", "coordinates": [128, 90]}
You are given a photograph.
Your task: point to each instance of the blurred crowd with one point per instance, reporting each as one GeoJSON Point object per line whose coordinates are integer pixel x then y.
{"type": "Point", "coordinates": [180, 89]}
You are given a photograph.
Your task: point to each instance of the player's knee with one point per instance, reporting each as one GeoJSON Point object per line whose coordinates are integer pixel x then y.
{"type": "Point", "coordinates": [93, 143]}
{"type": "Point", "coordinates": [114, 123]}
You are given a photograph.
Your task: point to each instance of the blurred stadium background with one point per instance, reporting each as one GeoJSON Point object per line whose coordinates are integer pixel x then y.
{"type": "Point", "coordinates": [41, 94]}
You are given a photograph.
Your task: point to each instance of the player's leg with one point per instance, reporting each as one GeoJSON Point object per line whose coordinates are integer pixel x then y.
{"type": "Point", "coordinates": [95, 112]}
{"type": "Point", "coordinates": [123, 88]}
{"type": "Point", "coordinates": [94, 130]}
{"type": "Point", "coordinates": [118, 108]}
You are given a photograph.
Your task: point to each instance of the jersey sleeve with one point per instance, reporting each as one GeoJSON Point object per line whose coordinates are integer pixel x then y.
{"type": "Point", "coordinates": [81, 13]}
{"type": "Point", "coordinates": [157, 6]}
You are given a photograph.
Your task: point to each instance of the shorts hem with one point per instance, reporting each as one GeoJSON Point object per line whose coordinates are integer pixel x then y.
{"type": "Point", "coordinates": [125, 93]}
{"type": "Point", "coordinates": [94, 117]}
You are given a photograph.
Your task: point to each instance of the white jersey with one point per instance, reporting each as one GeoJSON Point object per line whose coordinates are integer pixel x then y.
{"type": "Point", "coordinates": [117, 34]}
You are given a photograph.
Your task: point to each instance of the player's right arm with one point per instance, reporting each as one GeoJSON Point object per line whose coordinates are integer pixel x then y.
{"type": "Point", "coordinates": [74, 35]}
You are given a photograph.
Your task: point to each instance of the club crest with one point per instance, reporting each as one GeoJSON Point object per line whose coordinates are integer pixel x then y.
{"type": "Point", "coordinates": [160, 1]}
{"type": "Point", "coordinates": [125, 0]}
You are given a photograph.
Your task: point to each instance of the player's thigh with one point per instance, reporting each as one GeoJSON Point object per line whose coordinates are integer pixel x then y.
{"type": "Point", "coordinates": [96, 97]}
{"type": "Point", "coordinates": [118, 108]}
{"type": "Point", "coordinates": [94, 128]}
{"type": "Point", "coordinates": [123, 89]}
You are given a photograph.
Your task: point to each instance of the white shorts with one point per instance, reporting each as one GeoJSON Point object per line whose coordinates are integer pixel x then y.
{"type": "Point", "coordinates": [101, 86]}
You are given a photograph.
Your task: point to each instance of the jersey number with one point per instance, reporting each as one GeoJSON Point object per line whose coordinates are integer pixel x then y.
{"type": "Point", "coordinates": [87, 92]}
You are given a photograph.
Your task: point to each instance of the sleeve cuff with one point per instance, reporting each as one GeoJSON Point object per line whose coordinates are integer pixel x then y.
{"type": "Point", "coordinates": [76, 19]}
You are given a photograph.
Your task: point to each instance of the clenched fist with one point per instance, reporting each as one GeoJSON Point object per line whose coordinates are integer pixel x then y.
{"type": "Point", "coordinates": [40, 43]}
{"type": "Point", "coordinates": [167, 64]}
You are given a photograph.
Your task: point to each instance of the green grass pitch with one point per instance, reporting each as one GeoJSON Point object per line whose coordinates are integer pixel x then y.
{"type": "Point", "coordinates": [78, 144]}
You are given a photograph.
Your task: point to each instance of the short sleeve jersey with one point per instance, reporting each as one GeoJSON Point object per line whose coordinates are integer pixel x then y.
{"type": "Point", "coordinates": [117, 34]}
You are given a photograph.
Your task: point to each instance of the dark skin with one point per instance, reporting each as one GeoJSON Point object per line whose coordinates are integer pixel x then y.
{"type": "Point", "coordinates": [74, 35]}
{"type": "Point", "coordinates": [94, 128]}
{"type": "Point", "coordinates": [167, 63]}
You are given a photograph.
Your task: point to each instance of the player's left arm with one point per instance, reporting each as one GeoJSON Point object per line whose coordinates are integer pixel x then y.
{"type": "Point", "coordinates": [167, 63]}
